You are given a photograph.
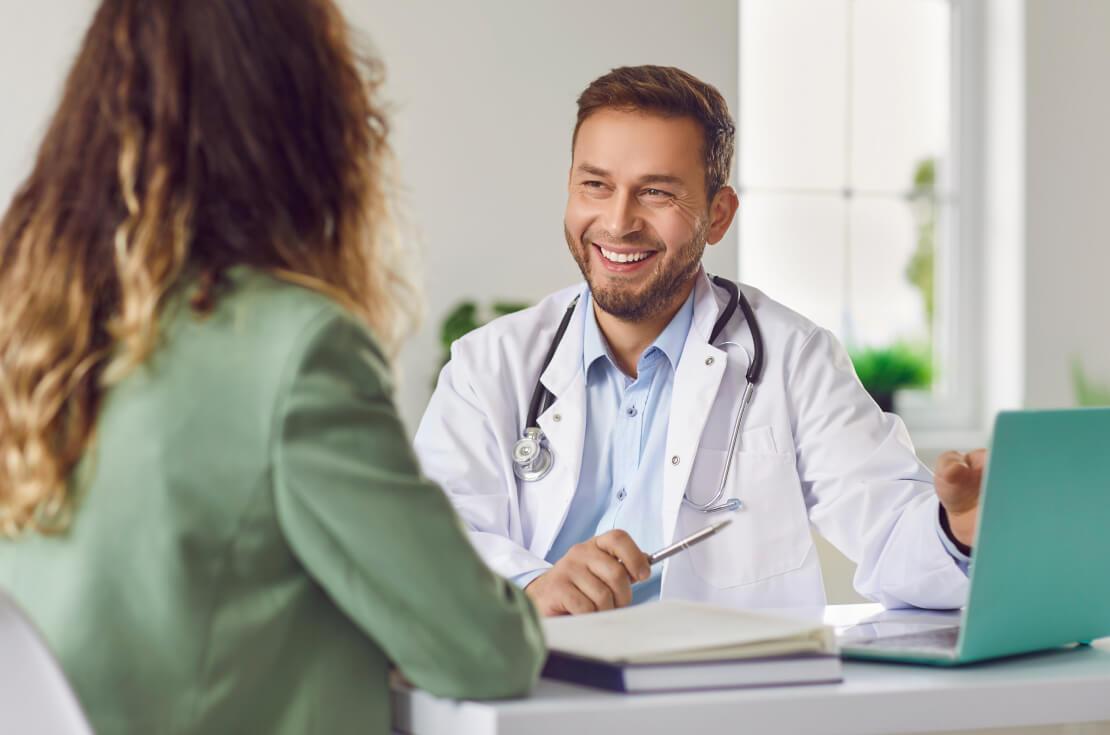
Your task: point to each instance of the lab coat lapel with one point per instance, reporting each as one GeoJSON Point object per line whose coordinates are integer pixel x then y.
{"type": "Point", "coordinates": [564, 425]}
{"type": "Point", "coordinates": [697, 381]}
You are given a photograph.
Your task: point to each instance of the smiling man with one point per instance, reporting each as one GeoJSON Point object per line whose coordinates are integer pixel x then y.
{"type": "Point", "coordinates": [622, 414]}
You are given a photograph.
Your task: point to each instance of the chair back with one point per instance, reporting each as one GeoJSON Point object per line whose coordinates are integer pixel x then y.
{"type": "Point", "coordinates": [34, 694]}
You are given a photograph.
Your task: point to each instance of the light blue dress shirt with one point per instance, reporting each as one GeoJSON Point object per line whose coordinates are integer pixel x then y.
{"type": "Point", "coordinates": [621, 481]}
{"type": "Point", "coordinates": [963, 561]}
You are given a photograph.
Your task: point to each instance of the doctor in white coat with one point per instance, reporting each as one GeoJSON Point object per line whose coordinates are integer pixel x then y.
{"type": "Point", "coordinates": [644, 404]}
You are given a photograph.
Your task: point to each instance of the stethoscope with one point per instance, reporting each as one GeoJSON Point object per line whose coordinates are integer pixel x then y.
{"type": "Point", "coordinates": [532, 458]}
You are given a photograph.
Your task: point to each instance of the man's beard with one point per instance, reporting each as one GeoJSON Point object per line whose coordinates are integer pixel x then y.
{"type": "Point", "coordinates": [665, 281]}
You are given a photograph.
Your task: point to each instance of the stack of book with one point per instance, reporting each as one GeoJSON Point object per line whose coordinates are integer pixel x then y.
{"type": "Point", "coordinates": [677, 646]}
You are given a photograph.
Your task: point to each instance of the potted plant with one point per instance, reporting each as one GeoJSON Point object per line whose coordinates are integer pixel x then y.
{"type": "Point", "coordinates": [884, 370]}
{"type": "Point", "coordinates": [465, 318]}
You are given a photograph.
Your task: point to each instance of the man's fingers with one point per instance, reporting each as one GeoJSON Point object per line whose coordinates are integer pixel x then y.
{"type": "Point", "coordinates": [572, 600]}
{"type": "Point", "coordinates": [958, 480]}
{"type": "Point", "coordinates": [597, 574]}
{"type": "Point", "coordinates": [619, 544]}
{"type": "Point", "coordinates": [613, 574]}
{"type": "Point", "coordinates": [962, 471]}
{"type": "Point", "coordinates": [977, 459]}
{"type": "Point", "coordinates": [592, 587]}
{"type": "Point", "coordinates": [952, 468]}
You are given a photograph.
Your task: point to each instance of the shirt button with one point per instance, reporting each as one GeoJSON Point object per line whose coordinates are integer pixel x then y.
{"type": "Point", "coordinates": [557, 417]}
{"type": "Point", "coordinates": [621, 494]}
{"type": "Point", "coordinates": [675, 459]}
{"type": "Point", "coordinates": [630, 411]}
{"type": "Point", "coordinates": [709, 361]}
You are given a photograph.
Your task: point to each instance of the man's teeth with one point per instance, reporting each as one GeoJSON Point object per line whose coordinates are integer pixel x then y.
{"type": "Point", "coordinates": [623, 257]}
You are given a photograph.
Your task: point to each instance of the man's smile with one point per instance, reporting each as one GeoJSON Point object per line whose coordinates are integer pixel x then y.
{"type": "Point", "coordinates": [623, 260]}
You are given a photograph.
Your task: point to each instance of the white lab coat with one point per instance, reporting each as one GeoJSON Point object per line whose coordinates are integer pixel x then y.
{"type": "Point", "coordinates": [814, 449]}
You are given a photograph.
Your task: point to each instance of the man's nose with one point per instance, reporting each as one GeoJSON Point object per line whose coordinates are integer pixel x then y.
{"type": "Point", "coordinates": [621, 215]}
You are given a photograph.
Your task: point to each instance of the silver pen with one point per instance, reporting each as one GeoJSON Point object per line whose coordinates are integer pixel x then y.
{"type": "Point", "coordinates": [696, 537]}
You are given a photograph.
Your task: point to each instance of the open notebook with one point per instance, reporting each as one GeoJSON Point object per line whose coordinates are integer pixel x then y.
{"type": "Point", "coordinates": [685, 645]}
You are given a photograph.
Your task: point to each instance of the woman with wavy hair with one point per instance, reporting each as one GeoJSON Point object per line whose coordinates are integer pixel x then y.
{"type": "Point", "coordinates": [207, 501]}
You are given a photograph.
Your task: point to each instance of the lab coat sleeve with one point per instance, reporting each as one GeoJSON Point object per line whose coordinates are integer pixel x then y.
{"type": "Point", "coordinates": [865, 488]}
{"type": "Point", "coordinates": [458, 449]}
{"type": "Point", "coordinates": [382, 541]}
{"type": "Point", "coordinates": [962, 559]}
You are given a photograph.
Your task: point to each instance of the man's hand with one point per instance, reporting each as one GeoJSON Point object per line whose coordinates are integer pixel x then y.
{"type": "Point", "coordinates": [596, 574]}
{"type": "Point", "coordinates": [958, 480]}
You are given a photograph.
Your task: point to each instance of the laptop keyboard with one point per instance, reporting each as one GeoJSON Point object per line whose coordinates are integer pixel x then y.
{"type": "Point", "coordinates": [937, 639]}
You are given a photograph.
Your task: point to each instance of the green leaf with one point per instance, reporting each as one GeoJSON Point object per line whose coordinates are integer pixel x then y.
{"type": "Point", "coordinates": [464, 318]}
{"type": "Point", "coordinates": [501, 308]}
{"type": "Point", "coordinates": [887, 369]}
{"type": "Point", "coordinates": [925, 175]}
{"type": "Point", "coordinates": [1087, 392]}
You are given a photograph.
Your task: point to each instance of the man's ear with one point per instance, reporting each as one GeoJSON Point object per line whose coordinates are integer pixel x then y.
{"type": "Point", "coordinates": [722, 210]}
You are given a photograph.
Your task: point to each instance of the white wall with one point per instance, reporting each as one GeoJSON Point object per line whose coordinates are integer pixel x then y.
{"type": "Point", "coordinates": [1048, 185]}
{"type": "Point", "coordinates": [38, 41]}
{"type": "Point", "coordinates": [1067, 195]}
{"type": "Point", "coordinates": [484, 96]}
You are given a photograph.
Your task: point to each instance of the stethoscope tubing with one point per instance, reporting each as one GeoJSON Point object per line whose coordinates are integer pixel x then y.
{"type": "Point", "coordinates": [540, 455]}
{"type": "Point", "coordinates": [541, 396]}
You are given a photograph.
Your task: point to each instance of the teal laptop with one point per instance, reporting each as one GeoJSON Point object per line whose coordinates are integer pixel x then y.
{"type": "Point", "coordinates": [1040, 572]}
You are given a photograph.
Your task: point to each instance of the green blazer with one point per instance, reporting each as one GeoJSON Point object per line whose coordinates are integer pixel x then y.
{"type": "Point", "coordinates": [253, 544]}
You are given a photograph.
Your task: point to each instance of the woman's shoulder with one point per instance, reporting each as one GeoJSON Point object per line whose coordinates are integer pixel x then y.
{"type": "Point", "coordinates": [267, 298]}
{"type": "Point", "coordinates": [276, 305]}
{"type": "Point", "coordinates": [261, 327]}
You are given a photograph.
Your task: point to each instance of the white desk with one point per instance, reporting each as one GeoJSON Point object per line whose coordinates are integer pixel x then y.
{"type": "Point", "coordinates": [1069, 686]}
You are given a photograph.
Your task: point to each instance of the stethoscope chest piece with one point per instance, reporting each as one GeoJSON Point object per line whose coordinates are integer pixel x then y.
{"type": "Point", "coordinates": [531, 459]}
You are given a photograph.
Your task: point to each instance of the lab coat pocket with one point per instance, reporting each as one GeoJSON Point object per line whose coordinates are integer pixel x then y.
{"type": "Point", "coordinates": [768, 536]}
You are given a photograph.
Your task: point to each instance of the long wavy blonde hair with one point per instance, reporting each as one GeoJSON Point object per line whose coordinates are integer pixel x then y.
{"type": "Point", "coordinates": [192, 136]}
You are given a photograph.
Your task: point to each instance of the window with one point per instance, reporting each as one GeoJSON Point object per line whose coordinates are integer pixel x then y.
{"type": "Point", "coordinates": [854, 182]}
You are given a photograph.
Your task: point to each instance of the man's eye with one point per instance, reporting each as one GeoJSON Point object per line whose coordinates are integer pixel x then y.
{"type": "Point", "coordinates": [656, 193]}
{"type": "Point", "coordinates": [592, 184]}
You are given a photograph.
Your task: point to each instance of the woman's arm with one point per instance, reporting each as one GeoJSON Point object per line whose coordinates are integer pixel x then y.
{"type": "Point", "coordinates": [380, 539]}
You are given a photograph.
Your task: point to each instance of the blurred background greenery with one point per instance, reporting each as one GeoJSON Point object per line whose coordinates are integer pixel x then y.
{"type": "Point", "coordinates": [1087, 391]}
{"type": "Point", "coordinates": [466, 317]}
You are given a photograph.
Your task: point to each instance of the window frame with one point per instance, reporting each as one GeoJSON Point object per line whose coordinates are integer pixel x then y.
{"type": "Point", "coordinates": [955, 409]}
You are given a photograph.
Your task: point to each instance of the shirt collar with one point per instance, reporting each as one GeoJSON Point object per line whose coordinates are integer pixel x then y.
{"type": "Point", "coordinates": [670, 341]}
{"type": "Point", "coordinates": [673, 338]}
{"type": "Point", "coordinates": [594, 346]}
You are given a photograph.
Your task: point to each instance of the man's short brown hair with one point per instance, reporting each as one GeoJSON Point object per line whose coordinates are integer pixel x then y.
{"type": "Point", "coordinates": [671, 92]}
